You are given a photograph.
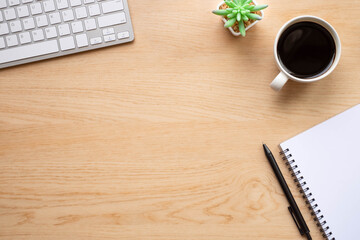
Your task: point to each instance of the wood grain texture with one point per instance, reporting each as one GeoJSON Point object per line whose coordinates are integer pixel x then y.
{"type": "Point", "coordinates": [161, 138]}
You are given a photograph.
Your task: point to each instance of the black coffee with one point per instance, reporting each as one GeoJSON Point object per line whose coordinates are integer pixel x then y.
{"type": "Point", "coordinates": [306, 50]}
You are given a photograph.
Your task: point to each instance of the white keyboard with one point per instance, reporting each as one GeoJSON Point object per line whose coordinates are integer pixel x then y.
{"type": "Point", "coordinates": [32, 30]}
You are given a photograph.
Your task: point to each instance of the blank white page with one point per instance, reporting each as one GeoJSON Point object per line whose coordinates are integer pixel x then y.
{"type": "Point", "coordinates": [328, 156]}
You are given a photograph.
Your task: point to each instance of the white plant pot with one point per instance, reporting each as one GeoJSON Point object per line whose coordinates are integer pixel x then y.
{"type": "Point", "coordinates": [247, 28]}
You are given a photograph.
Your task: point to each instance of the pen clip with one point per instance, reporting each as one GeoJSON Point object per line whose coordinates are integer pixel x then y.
{"type": "Point", "coordinates": [293, 216]}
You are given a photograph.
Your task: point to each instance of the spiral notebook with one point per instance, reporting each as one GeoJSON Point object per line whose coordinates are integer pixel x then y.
{"type": "Point", "coordinates": [325, 163]}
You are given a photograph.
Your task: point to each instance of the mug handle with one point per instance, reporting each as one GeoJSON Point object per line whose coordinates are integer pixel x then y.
{"type": "Point", "coordinates": [279, 81]}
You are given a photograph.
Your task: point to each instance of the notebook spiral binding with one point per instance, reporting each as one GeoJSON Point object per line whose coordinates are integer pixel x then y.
{"type": "Point", "coordinates": [305, 191]}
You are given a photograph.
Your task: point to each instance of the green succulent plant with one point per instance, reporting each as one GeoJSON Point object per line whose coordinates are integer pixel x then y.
{"type": "Point", "coordinates": [240, 11]}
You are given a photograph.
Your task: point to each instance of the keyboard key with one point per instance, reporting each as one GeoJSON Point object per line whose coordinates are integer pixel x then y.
{"type": "Point", "coordinates": [9, 14]}
{"type": "Point", "coordinates": [61, 4]}
{"type": "Point", "coordinates": [94, 10]}
{"type": "Point", "coordinates": [28, 23]}
{"type": "Point", "coordinates": [15, 26]}
{"type": "Point", "coordinates": [67, 43]}
{"type": "Point", "coordinates": [108, 31]}
{"type": "Point", "coordinates": [35, 8]}
{"type": "Point", "coordinates": [64, 29]}
{"type": "Point", "coordinates": [50, 32]}
{"type": "Point", "coordinates": [24, 37]}
{"type": "Point", "coordinates": [68, 15]}
{"type": "Point", "coordinates": [49, 5]}
{"type": "Point", "coordinates": [38, 35]}
{"type": "Point", "coordinates": [109, 38]}
{"type": "Point", "coordinates": [2, 43]}
{"type": "Point", "coordinates": [27, 1]}
{"type": "Point", "coordinates": [90, 24]}
{"type": "Point", "coordinates": [77, 27]}
{"type": "Point", "coordinates": [81, 12]}
{"type": "Point", "coordinates": [112, 6]}
{"type": "Point", "coordinates": [1, 17]}
{"type": "Point", "coordinates": [41, 21]}
{"type": "Point", "coordinates": [82, 40]}
{"type": "Point", "coordinates": [23, 11]}
{"type": "Point", "coordinates": [96, 40]}
{"type": "Point", "coordinates": [4, 29]}
{"type": "Point", "coordinates": [75, 3]}
{"type": "Point", "coordinates": [11, 40]}
{"type": "Point", "coordinates": [28, 51]}
{"type": "Point", "coordinates": [14, 2]}
{"type": "Point", "coordinates": [123, 35]}
{"type": "Point", "coordinates": [3, 4]}
{"type": "Point", "coordinates": [111, 19]}
{"type": "Point", "coordinates": [54, 18]}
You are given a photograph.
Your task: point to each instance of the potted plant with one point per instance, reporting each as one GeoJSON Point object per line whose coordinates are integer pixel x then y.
{"type": "Point", "coordinates": [240, 15]}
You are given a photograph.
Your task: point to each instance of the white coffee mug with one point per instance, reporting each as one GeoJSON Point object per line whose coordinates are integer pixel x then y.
{"type": "Point", "coordinates": [284, 75]}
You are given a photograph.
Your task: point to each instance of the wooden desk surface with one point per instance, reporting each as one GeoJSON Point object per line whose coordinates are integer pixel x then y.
{"type": "Point", "coordinates": [161, 138]}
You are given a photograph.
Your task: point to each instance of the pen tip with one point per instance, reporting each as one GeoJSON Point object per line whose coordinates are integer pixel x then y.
{"type": "Point", "coordinates": [266, 149]}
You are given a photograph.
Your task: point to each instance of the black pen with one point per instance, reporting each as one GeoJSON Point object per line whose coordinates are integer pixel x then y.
{"type": "Point", "coordinates": [293, 208]}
